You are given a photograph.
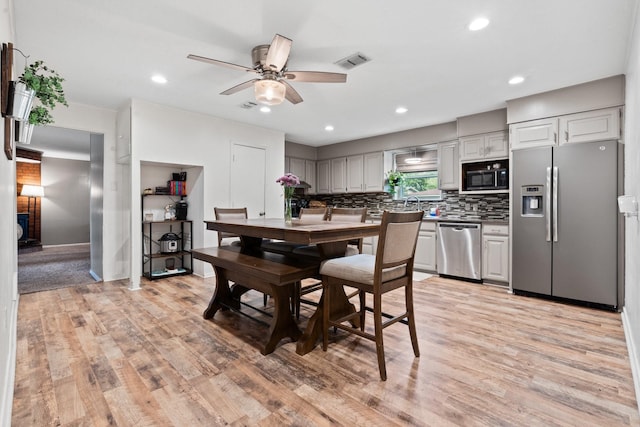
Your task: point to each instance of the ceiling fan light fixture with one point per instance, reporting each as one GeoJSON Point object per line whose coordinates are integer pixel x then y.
{"type": "Point", "coordinates": [269, 92]}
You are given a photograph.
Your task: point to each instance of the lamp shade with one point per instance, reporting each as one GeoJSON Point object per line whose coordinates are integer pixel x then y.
{"type": "Point", "coordinates": [32, 191]}
{"type": "Point", "coordinates": [269, 92]}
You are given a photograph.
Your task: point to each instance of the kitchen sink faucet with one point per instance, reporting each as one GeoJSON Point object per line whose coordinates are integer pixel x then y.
{"type": "Point", "coordinates": [412, 199]}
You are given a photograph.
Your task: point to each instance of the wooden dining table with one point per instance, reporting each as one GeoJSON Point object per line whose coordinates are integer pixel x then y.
{"type": "Point", "coordinates": [331, 239]}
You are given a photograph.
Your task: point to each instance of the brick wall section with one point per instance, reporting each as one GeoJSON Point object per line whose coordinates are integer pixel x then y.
{"type": "Point", "coordinates": [28, 173]}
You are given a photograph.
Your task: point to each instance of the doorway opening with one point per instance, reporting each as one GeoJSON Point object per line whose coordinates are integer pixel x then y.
{"type": "Point", "coordinates": [69, 212]}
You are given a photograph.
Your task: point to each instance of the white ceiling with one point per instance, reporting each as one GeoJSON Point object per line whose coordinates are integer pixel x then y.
{"type": "Point", "coordinates": [423, 57]}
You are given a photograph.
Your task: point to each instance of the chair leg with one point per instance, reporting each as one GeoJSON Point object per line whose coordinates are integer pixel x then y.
{"type": "Point", "coordinates": [377, 320]}
{"type": "Point", "coordinates": [363, 308]}
{"type": "Point", "coordinates": [408, 293]}
{"type": "Point", "coordinates": [326, 296]}
{"type": "Point", "coordinates": [264, 299]}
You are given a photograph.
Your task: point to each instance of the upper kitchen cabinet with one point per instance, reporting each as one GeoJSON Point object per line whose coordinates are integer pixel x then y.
{"type": "Point", "coordinates": [590, 126]}
{"type": "Point", "coordinates": [487, 146]}
{"type": "Point", "coordinates": [597, 125]}
{"type": "Point", "coordinates": [448, 166]}
{"type": "Point", "coordinates": [298, 168]}
{"type": "Point", "coordinates": [339, 175]}
{"type": "Point", "coordinates": [536, 133]}
{"type": "Point", "coordinates": [324, 176]}
{"type": "Point", "coordinates": [373, 175]}
{"type": "Point", "coordinates": [303, 169]}
{"type": "Point", "coordinates": [310, 176]}
{"type": "Point", "coordinates": [355, 174]}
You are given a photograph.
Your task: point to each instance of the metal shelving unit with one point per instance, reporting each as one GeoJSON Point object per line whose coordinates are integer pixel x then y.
{"type": "Point", "coordinates": [154, 262]}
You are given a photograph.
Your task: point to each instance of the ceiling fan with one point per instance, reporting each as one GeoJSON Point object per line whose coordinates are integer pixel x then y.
{"type": "Point", "coordinates": [270, 64]}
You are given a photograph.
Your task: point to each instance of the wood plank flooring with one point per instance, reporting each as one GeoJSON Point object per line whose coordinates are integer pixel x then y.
{"type": "Point", "coordinates": [102, 355]}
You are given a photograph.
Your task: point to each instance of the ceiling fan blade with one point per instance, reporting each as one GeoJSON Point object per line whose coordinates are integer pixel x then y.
{"type": "Point", "coordinates": [222, 63]}
{"type": "Point", "coordinates": [291, 95]}
{"type": "Point", "coordinates": [315, 77]}
{"type": "Point", "coordinates": [278, 52]}
{"type": "Point", "coordinates": [239, 87]}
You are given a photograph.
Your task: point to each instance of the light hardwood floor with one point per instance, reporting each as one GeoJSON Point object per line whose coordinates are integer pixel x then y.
{"type": "Point", "coordinates": [103, 355]}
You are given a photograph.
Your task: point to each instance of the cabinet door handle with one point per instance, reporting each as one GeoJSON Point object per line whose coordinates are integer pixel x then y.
{"type": "Point", "coordinates": [566, 136]}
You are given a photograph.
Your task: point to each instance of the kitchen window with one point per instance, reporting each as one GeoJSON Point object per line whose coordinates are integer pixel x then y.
{"type": "Point", "coordinates": [420, 169]}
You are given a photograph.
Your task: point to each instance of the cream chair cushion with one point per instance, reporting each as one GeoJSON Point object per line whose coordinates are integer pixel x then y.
{"type": "Point", "coordinates": [359, 268]}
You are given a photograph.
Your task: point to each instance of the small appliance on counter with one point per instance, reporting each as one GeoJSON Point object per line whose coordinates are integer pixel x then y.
{"type": "Point", "coordinates": [181, 210]}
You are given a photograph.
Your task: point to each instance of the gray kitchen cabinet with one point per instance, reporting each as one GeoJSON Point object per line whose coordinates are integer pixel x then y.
{"type": "Point", "coordinates": [373, 174]}
{"type": "Point", "coordinates": [355, 173]}
{"type": "Point", "coordinates": [600, 125]}
{"type": "Point", "coordinates": [323, 176]}
{"type": "Point", "coordinates": [287, 164]}
{"type": "Point", "coordinates": [310, 176]}
{"type": "Point", "coordinates": [590, 126]}
{"type": "Point", "coordinates": [536, 133]}
{"type": "Point", "coordinates": [370, 243]}
{"type": "Point", "coordinates": [426, 248]}
{"type": "Point", "coordinates": [484, 147]}
{"type": "Point", "coordinates": [495, 253]}
{"type": "Point", "coordinates": [298, 168]}
{"type": "Point", "coordinates": [448, 166]}
{"type": "Point", "coordinates": [339, 175]}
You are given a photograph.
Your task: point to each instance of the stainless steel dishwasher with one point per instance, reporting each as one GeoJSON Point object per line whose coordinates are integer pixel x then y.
{"type": "Point", "coordinates": [460, 250]}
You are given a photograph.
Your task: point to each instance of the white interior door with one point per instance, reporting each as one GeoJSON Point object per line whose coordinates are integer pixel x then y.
{"type": "Point", "coordinates": [248, 178]}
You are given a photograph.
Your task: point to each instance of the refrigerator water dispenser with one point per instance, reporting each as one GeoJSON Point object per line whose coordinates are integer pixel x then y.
{"type": "Point", "coordinates": [532, 203]}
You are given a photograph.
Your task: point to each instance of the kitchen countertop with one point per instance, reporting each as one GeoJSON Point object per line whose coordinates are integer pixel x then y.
{"type": "Point", "coordinates": [444, 218]}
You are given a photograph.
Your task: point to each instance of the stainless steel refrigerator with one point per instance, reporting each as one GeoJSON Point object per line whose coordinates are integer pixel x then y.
{"type": "Point", "coordinates": [565, 222]}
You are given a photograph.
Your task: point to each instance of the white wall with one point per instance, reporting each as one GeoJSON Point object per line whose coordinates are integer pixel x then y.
{"type": "Point", "coordinates": [8, 252]}
{"type": "Point", "coordinates": [103, 121]}
{"type": "Point", "coordinates": [631, 313]}
{"type": "Point", "coordinates": [163, 134]}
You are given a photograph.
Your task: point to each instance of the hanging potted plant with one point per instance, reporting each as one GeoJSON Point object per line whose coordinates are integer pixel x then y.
{"type": "Point", "coordinates": [47, 86]}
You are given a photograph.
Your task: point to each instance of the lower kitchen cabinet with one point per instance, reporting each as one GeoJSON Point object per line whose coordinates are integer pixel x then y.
{"type": "Point", "coordinates": [495, 253]}
{"type": "Point", "coordinates": [425, 258]}
{"type": "Point", "coordinates": [370, 243]}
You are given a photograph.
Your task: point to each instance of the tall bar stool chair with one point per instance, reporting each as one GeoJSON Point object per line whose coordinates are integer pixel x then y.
{"type": "Point", "coordinates": [355, 247]}
{"type": "Point", "coordinates": [232, 213]}
{"type": "Point", "coordinates": [391, 268]}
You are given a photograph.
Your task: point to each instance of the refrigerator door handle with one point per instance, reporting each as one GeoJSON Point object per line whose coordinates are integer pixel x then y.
{"type": "Point", "coordinates": [547, 206]}
{"type": "Point", "coordinates": [555, 203]}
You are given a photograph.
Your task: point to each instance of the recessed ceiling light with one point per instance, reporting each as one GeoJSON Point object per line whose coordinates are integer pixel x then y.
{"type": "Point", "coordinates": [265, 109]}
{"type": "Point", "coordinates": [478, 24]}
{"type": "Point", "coordinates": [401, 110]}
{"type": "Point", "coordinates": [515, 80]}
{"type": "Point", "coordinates": [328, 128]}
{"type": "Point", "coordinates": [157, 78]}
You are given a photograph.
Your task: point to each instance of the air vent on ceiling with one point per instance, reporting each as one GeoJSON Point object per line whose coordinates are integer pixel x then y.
{"type": "Point", "coordinates": [248, 105]}
{"type": "Point", "coordinates": [353, 61]}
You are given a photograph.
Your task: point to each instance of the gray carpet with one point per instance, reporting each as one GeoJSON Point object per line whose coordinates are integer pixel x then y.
{"type": "Point", "coordinates": [53, 268]}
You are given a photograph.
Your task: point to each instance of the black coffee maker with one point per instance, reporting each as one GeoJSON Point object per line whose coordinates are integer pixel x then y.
{"type": "Point", "coordinates": [181, 210]}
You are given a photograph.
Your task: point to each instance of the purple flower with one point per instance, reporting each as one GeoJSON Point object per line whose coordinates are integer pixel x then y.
{"type": "Point", "coordinates": [288, 180]}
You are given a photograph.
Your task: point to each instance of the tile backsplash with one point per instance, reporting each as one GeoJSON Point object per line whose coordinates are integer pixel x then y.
{"type": "Point", "coordinates": [482, 206]}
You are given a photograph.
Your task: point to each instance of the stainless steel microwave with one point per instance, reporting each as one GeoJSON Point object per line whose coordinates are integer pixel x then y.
{"type": "Point", "coordinates": [486, 179]}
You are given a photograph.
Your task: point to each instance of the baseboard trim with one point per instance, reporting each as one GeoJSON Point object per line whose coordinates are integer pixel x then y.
{"type": "Point", "coordinates": [6, 401]}
{"type": "Point", "coordinates": [634, 356]}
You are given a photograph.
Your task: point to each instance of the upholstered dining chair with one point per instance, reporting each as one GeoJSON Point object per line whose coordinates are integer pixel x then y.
{"type": "Point", "coordinates": [391, 268]}
{"type": "Point", "coordinates": [349, 215]}
{"type": "Point", "coordinates": [313, 214]}
{"type": "Point", "coordinates": [233, 213]}
{"type": "Point", "coordinates": [229, 213]}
